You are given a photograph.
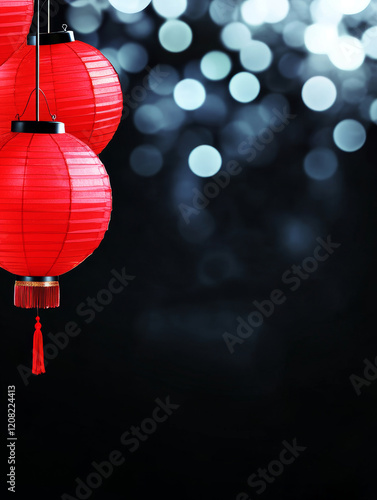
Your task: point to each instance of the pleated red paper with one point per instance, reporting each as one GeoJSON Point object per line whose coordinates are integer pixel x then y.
{"type": "Point", "coordinates": [15, 20]}
{"type": "Point", "coordinates": [55, 203]}
{"type": "Point", "coordinates": [81, 86]}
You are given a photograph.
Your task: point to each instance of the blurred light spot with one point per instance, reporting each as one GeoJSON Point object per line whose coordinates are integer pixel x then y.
{"type": "Point", "coordinates": [162, 79]}
{"type": "Point", "coordinates": [175, 35]}
{"type": "Point", "coordinates": [148, 119]}
{"type": "Point", "coordinates": [373, 111]}
{"type": "Point", "coordinates": [349, 135]}
{"type": "Point", "coordinates": [216, 65]}
{"type": "Point", "coordinates": [257, 12]}
{"type": "Point", "coordinates": [297, 236]}
{"type": "Point", "coordinates": [130, 6]}
{"type": "Point", "coordinates": [320, 37]}
{"type": "Point", "coordinates": [222, 11]}
{"type": "Point", "coordinates": [84, 19]}
{"type": "Point", "coordinates": [319, 93]}
{"type": "Point", "coordinates": [205, 161]}
{"type": "Point", "coordinates": [353, 90]}
{"type": "Point", "coordinates": [347, 53]}
{"type": "Point", "coordinates": [277, 10]}
{"type": "Point", "coordinates": [369, 41]}
{"type": "Point", "coordinates": [133, 57]}
{"type": "Point", "coordinates": [256, 56]}
{"type": "Point", "coordinates": [254, 12]}
{"type": "Point", "coordinates": [189, 94]}
{"type": "Point", "coordinates": [146, 160]}
{"type": "Point", "coordinates": [170, 8]}
{"type": "Point", "coordinates": [235, 36]}
{"type": "Point", "coordinates": [349, 7]}
{"type": "Point", "coordinates": [321, 164]}
{"type": "Point", "coordinates": [323, 12]}
{"type": "Point", "coordinates": [293, 34]}
{"type": "Point", "coordinates": [244, 87]}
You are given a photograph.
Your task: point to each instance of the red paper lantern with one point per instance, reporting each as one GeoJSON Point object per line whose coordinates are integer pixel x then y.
{"type": "Point", "coordinates": [81, 86]}
{"type": "Point", "coordinates": [55, 206]}
{"type": "Point", "coordinates": [15, 20]}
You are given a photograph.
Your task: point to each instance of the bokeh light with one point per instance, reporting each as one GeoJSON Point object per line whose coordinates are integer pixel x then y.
{"type": "Point", "coordinates": [133, 57]}
{"type": "Point", "coordinates": [189, 94]}
{"type": "Point", "coordinates": [256, 56]}
{"type": "Point", "coordinates": [320, 37]}
{"type": "Point", "coordinates": [369, 41]}
{"type": "Point", "coordinates": [349, 135]}
{"type": "Point", "coordinates": [347, 53]}
{"type": "Point", "coordinates": [130, 6]}
{"type": "Point", "coordinates": [321, 164]}
{"type": "Point", "coordinates": [170, 8]}
{"type": "Point", "coordinates": [146, 160]}
{"type": "Point", "coordinates": [373, 111]}
{"type": "Point", "coordinates": [244, 87]}
{"type": "Point", "coordinates": [175, 35]}
{"type": "Point", "coordinates": [257, 12]}
{"type": "Point", "coordinates": [205, 161]}
{"type": "Point", "coordinates": [319, 93]}
{"type": "Point", "coordinates": [84, 19]}
{"type": "Point", "coordinates": [148, 119]}
{"type": "Point", "coordinates": [216, 65]}
{"type": "Point", "coordinates": [235, 36]}
{"type": "Point", "coordinates": [349, 7]}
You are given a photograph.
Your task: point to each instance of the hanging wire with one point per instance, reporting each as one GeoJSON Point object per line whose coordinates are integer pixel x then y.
{"type": "Point", "coordinates": [48, 16]}
{"type": "Point", "coordinates": [37, 65]}
{"type": "Point", "coordinates": [19, 116]}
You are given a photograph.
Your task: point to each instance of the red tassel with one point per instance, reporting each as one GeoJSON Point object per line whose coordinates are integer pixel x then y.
{"type": "Point", "coordinates": [33, 294]}
{"type": "Point", "coordinates": [38, 356]}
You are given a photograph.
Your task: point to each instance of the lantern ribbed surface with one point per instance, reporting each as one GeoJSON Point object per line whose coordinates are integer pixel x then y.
{"type": "Point", "coordinates": [15, 20]}
{"type": "Point", "coordinates": [81, 87]}
{"type": "Point", "coordinates": [55, 203]}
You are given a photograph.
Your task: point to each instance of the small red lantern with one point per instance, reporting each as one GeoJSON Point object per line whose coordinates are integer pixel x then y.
{"type": "Point", "coordinates": [80, 85]}
{"type": "Point", "coordinates": [15, 20]}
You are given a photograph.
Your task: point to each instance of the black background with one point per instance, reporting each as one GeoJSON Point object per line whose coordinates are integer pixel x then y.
{"type": "Point", "coordinates": [162, 336]}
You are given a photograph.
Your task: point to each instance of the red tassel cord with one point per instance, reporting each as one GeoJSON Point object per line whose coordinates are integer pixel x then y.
{"type": "Point", "coordinates": [38, 356]}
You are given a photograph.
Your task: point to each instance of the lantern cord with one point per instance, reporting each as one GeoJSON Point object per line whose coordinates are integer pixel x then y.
{"type": "Point", "coordinates": [48, 16]}
{"type": "Point", "coordinates": [19, 116]}
{"type": "Point", "coordinates": [37, 58]}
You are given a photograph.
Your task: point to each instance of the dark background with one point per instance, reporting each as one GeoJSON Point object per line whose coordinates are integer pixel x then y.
{"type": "Point", "coordinates": [163, 335]}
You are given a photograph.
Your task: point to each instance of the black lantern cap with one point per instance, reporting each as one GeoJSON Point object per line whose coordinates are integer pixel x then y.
{"type": "Point", "coordinates": [42, 279]}
{"type": "Point", "coordinates": [34, 127]}
{"type": "Point", "coordinates": [52, 38]}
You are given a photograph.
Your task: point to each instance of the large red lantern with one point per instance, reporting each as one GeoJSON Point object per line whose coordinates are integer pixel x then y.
{"type": "Point", "coordinates": [81, 87]}
{"type": "Point", "coordinates": [15, 20]}
{"type": "Point", "coordinates": [55, 206]}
